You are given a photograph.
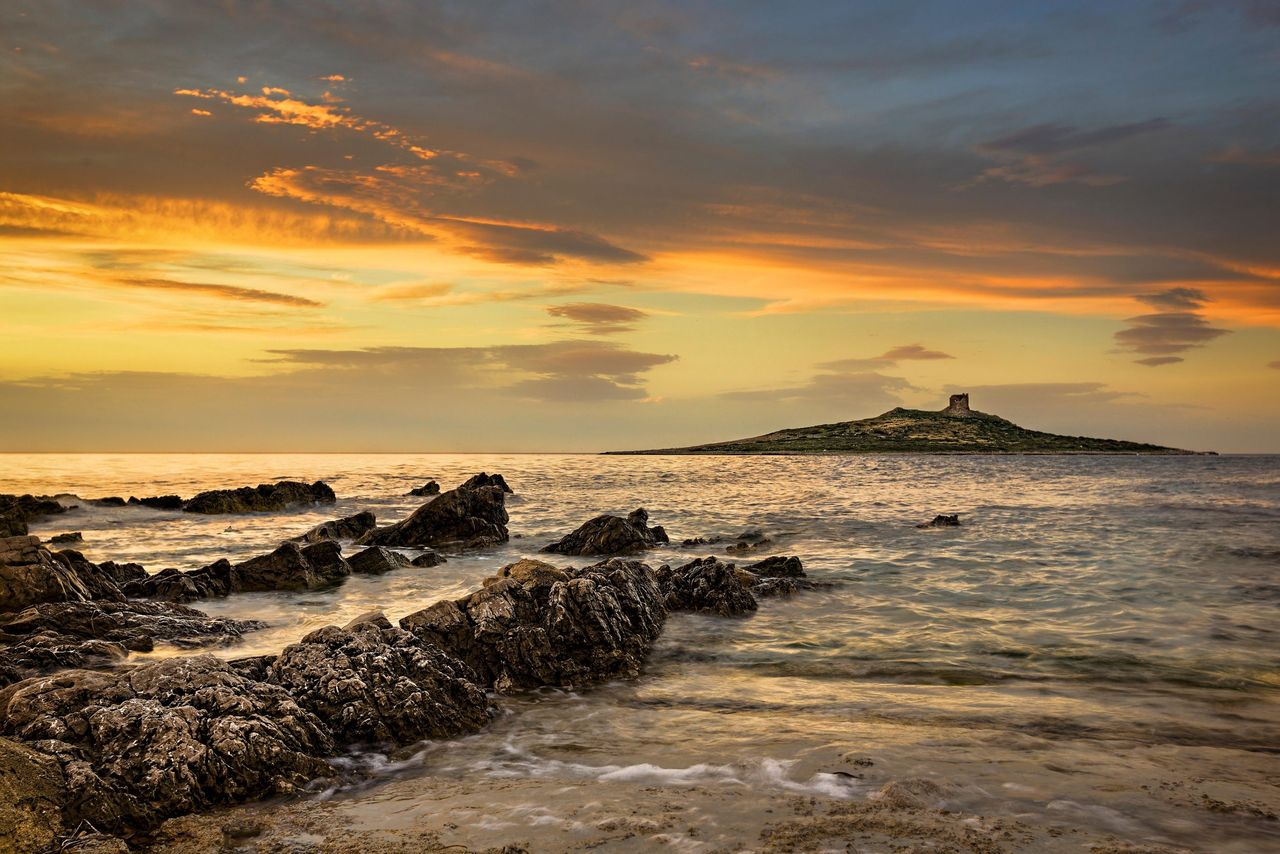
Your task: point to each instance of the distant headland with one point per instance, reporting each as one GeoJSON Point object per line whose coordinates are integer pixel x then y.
{"type": "Point", "coordinates": [954, 430]}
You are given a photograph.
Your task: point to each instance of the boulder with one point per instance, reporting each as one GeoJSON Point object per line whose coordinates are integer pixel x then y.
{"type": "Point", "coordinates": [611, 535]}
{"type": "Point", "coordinates": [165, 738]}
{"type": "Point", "coordinates": [375, 560]}
{"type": "Point", "coordinates": [99, 583]}
{"type": "Point", "coordinates": [426, 490]}
{"type": "Point", "coordinates": [73, 537]}
{"type": "Point", "coordinates": [122, 573]}
{"type": "Point", "coordinates": [778, 566]}
{"type": "Point", "coordinates": [159, 502]}
{"type": "Point", "coordinates": [942, 520]}
{"type": "Point", "coordinates": [373, 683]}
{"type": "Point", "coordinates": [477, 481]}
{"type": "Point", "coordinates": [707, 586]}
{"type": "Point", "coordinates": [466, 517]}
{"type": "Point", "coordinates": [12, 524]}
{"type": "Point", "coordinates": [263, 497]}
{"type": "Point", "coordinates": [30, 575]}
{"type": "Point", "coordinates": [172, 585]}
{"type": "Point", "coordinates": [428, 559]}
{"type": "Point", "coordinates": [32, 794]}
{"type": "Point", "coordinates": [109, 501]}
{"type": "Point", "coordinates": [17, 510]}
{"type": "Point", "coordinates": [347, 528]}
{"type": "Point", "coordinates": [535, 624]}
{"type": "Point", "coordinates": [292, 567]}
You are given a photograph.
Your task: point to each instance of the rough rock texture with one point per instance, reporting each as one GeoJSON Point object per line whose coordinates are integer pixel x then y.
{"type": "Point", "coordinates": [32, 792]}
{"type": "Point", "coordinates": [466, 517]}
{"type": "Point", "coordinates": [263, 497]}
{"type": "Point", "coordinates": [484, 479]}
{"type": "Point", "coordinates": [165, 739]}
{"type": "Point", "coordinates": [159, 502]}
{"type": "Point", "coordinates": [427, 489]}
{"type": "Point", "coordinates": [611, 535]}
{"type": "Point", "coordinates": [292, 567]}
{"type": "Point", "coordinates": [173, 585]}
{"type": "Point", "coordinates": [347, 528]}
{"type": "Point", "coordinates": [73, 537]}
{"type": "Point", "coordinates": [376, 560]}
{"type": "Point", "coordinates": [535, 624]}
{"type": "Point", "coordinates": [371, 682]}
{"type": "Point", "coordinates": [29, 575]}
{"type": "Point", "coordinates": [428, 559]}
{"type": "Point", "coordinates": [942, 521]}
{"type": "Point", "coordinates": [12, 524]}
{"type": "Point", "coordinates": [708, 586]}
{"type": "Point", "coordinates": [100, 583]}
{"type": "Point", "coordinates": [778, 566]}
{"type": "Point", "coordinates": [17, 510]}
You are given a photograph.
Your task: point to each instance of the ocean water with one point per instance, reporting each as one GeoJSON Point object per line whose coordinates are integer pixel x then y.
{"type": "Point", "coordinates": [1093, 655]}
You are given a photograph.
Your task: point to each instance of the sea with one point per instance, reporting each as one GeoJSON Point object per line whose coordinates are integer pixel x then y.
{"type": "Point", "coordinates": [1089, 662]}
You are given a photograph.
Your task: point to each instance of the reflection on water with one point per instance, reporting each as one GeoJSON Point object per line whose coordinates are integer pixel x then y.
{"type": "Point", "coordinates": [1095, 646]}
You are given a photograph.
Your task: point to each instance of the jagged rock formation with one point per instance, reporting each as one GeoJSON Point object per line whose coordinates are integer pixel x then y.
{"type": "Point", "coordinates": [346, 528]}
{"type": "Point", "coordinates": [263, 497]}
{"type": "Point", "coordinates": [484, 479]}
{"type": "Point", "coordinates": [954, 430]}
{"type": "Point", "coordinates": [707, 586]}
{"type": "Point", "coordinates": [469, 517]}
{"type": "Point", "coordinates": [942, 520]}
{"type": "Point", "coordinates": [31, 574]}
{"type": "Point", "coordinates": [611, 535]}
{"type": "Point", "coordinates": [376, 560]}
{"type": "Point", "coordinates": [158, 502]}
{"type": "Point", "coordinates": [292, 567]}
{"type": "Point", "coordinates": [426, 490]}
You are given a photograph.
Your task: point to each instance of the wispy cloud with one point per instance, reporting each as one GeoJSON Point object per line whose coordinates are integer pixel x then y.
{"type": "Point", "coordinates": [599, 318]}
{"type": "Point", "coordinates": [1176, 327]}
{"type": "Point", "coordinates": [1036, 155]}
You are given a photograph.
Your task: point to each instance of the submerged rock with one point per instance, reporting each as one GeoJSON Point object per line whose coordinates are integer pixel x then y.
{"type": "Point", "coordinates": [706, 585]}
{"type": "Point", "coordinates": [426, 490]}
{"type": "Point", "coordinates": [476, 481]}
{"type": "Point", "coordinates": [467, 517]}
{"type": "Point", "coordinates": [611, 535]}
{"type": "Point", "coordinates": [749, 540]}
{"type": "Point", "coordinates": [778, 566]}
{"type": "Point", "coordinates": [942, 521]}
{"type": "Point", "coordinates": [159, 502]}
{"type": "Point", "coordinates": [263, 497]}
{"type": "Point", "coordinates": [535, 624]}
{"type": "Point", "coordinates": [428, 559]}
{"type": "Point", "coordinates": [376, 560]}
{"type": "Point", "coordinates": [109, 501]}
{"type": "Point", "coordinates": [73, 537]}
{"type": "Point", "coordinates": [346, 528]}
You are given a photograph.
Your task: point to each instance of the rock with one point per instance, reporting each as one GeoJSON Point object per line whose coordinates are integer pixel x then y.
{"type": "Point", "coordinates": [32, 794]}
{"type": "Point", "coordinates": [99, 583]}
{"type": "Point", "coordinates": [427, 489]}
{"type": "Point", "coordinates": [611, 535]}
{"type": "Point", "coordinates": [122, 573]}
{"type": "Point", "coordinates": [17, 510]}
{"type": "Point", "coordinates": [752, 538]}
{"type": "Point", "coordinates": [778, 566]}
{"type": "Point", "coordinates": [165, 738]}
{"type": "Point", "coordinates": [467, 517]}
{"type": "Point", "coordinates": [30, 575]}
{"type": "Point", "coordinates": [291, 567]}
{"type": "Point", "coordinates": [479, 480]}
{"type": "Point", "coordinates": [942, 521]}
{"type": "Point", "coordinates": [700, 541]}
{"type": "Point", "coordinates": [159, 502]}
{"type": "Point", "coordinates": [348, 528]}
{"type": "Point", "coordinates": [73, 537]}
{"type": "Point", "coordinates": [535, 624]}
{"type": "Point", "coordinates": [375, 683]}
{"type": "Point", "coordinates": [173, 585]}
{"type": "Point", "coordinates": [377, 617]}
{"type": "Point", "coordinates": [263, 497]}
{"type": "Point", "coordinates": [376, 560]}
{"type": "Point", "coordinates": [911, 794]}
{"type": "Point", "coordinates": [428, 559]}
{"type": "Point", "coordinates": [109, 501]}
{"type": "Point", "coordinates": [707, 586]}
{"type": "Point", "coordinates": [12, 524]}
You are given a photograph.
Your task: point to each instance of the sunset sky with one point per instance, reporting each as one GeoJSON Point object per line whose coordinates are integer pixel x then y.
{"type": "Point", "coordinates": [565, 226]}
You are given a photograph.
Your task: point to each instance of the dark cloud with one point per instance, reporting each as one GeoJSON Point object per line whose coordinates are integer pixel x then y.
{"type": "Point", "coordinates": [599, 318]}
{"type": "Point", "coordinates": [1177, 327]}
{"type": "Point", "coordinates": [227, 292]}
{"type": "Point", "coordinates": [1056, 138]}
{"type": "Point", "coordinates": [1275, 364]}
{"type": "Point", "coordinates": [913, 352]}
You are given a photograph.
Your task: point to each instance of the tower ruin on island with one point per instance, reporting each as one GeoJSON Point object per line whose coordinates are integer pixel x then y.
{"type": "Point", "coordinates": [958, 406]}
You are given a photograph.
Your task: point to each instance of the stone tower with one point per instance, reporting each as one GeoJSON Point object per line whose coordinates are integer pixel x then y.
{"type": "Point", "coordinates": [959, 405]}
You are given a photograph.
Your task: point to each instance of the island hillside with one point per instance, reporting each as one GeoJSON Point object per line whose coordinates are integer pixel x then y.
{"type": "Point", "coordinates": [954, 430]}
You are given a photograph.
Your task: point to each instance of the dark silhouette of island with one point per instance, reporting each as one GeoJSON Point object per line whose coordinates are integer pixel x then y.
{"type": "Point", "coordinates": [954, 430]}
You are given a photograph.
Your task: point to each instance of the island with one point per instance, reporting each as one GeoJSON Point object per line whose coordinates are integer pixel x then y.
{"type": "Point", "coordinates": [954, 430]}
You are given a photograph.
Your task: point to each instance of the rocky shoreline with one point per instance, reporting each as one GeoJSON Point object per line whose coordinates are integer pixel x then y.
{"type": "Point", "coordinates": [101, 747]}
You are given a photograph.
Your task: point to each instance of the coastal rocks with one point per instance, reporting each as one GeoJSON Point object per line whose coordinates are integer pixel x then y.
{"type": "Point", "coordinates": [942, 521]}
{"type": "Point", "coordinates": [706, 586]}
{"type": "Point", "coordinates": [59, 539]}
{"type": "Point", "coordinates": [483, 479]}
{"type": "Point", "coordinates": [108, 501]}
{"type": "Point", "coordinates": [371, 682]}
{"type": "Point", "coordinates": [172, 585]}
{"type": "Point", "coordinates": [30, 575]}
{"type": "Point", "coordinates": [346, 528]}
{"type": "Point", "coordinates": [292, 567]}
{"type": "Point", "coordinates": [535, 624]}
{"type": "Point", "coordinates": [32, 792]}
{"type": "Point", "coordinates": [778, 566]}
{"type": "Point", "coordinates": [263, 497]}
{"type": "Point", "coordinates": [17, 510]}
{"type": "Point", "coordinates": [428, 559]}
{"type": "Point", "coordinates": [611, 535]}
{"type": "Point", "coordinates": [467, 517]}
{"type": "Point", "coordinates": [158, 502]}
{"type": "Point", "coordinates": [426, 490]}
{"type": "Point", "coordinates": [749, 540]}
{"type": "Point", "coordinates": [376, 560]}
{"type": "Point", "coordinates": [165, 739]}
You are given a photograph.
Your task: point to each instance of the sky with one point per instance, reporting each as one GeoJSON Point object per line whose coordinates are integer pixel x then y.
{"type": "Point", "coordinates": [403, 226]}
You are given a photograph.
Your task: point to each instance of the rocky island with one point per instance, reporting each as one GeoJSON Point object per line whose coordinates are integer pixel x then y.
{"type": "Point", "coordinates": [954, 430]}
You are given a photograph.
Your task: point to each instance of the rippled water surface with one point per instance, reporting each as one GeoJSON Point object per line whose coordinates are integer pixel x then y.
{"type": "Point", "coordinates": [1096, 647]}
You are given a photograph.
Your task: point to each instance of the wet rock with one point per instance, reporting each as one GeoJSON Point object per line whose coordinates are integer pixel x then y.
{"type": "Point", "coordinates": [48, 652]}
{"type": "Point", "coordinates": [260, 498]}
{"type": "Point", "coordinates": [707, 586]}
{"type": "Point", "coordinates": [748, 540]}
{"type": "Point", "coordinates": [700, 541]}
{"type": "Point", "coordinates": [376, 617]}
{"type": "Point", "coordinates": [942, 521]}
{"type": "Point", "coordinates": [159, 502]}
{"type": "Point", "coordinates": [109, 501]}
{"type": "Point", "coordinates": [428, 559]}
{"type": "Point", "coordinates": [778, 566]}
{"type": "Point", "coordinates": [535, 624]}
{"type": "Point", "coordinates": [30, 575]}
{"type": "Point", "coordinates": [73, 537]}
{"type": "Point", "coordinates": [17, 510]}
{"type": "Point", "coordinates": [915, 793]}
{"type": "Point", "coordinates": [376, 683]}
{"type": "Point", "coordinates": [32, 793]}
{"type": "Point", "coordinates": [172, 585]}
{"type": "Point", "coordinates": [12, 524]}
{"type": "Point", "coordinates": [165, 738]}
{"type": "Point", "coordinates": [292, 567]}
{"type": "Point", "coordinates": [481, 480]}
{"type": "Point", "coordinates": [611, 535]}
{"type": "Point", "coordinates": [122, 573]}
{"type": "Point", "coordinates": [467, 517]}
{"type": "Point", "coordinates": [426, 490]}
{"type": "Point", "coordinates": [99, 583]}
{"type": "Point", "coordinates": [376, 560]}
{"type": "Point", "coordinates": [347, 528]}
